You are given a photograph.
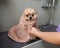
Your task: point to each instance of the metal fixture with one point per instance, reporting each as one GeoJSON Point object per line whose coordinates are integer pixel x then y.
{"type": "Point", "coordinates": [50, 6]}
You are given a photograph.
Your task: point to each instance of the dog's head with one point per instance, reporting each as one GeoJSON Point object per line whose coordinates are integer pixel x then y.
{"type": "Point", "coordinates": [30, 14]}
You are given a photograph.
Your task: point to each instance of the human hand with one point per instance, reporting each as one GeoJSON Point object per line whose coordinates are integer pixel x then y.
{"type": "Point", "coordinates": [33, 30]}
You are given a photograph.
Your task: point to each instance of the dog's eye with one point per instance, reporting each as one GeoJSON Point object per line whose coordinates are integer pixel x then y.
{"type": "Point", "coordinates": [32, 14]}
{"type": "Point", "coordinates": [26, 15]}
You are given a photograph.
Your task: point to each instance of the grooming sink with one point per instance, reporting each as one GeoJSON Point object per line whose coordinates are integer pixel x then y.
{"type": "Point", "coordinates": [37, 44]}
{"type": "Point", "coordinates": [6, 42]}
{"type": "Point", "coordinates": [41, 44]}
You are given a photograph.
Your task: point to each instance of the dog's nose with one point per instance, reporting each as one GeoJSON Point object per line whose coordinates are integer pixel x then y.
{"type": "Point", "coordinates": [30, 18]}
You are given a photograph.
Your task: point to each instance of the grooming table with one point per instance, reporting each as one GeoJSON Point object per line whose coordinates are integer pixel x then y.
{"type": "Point", "coordinates": [6, 42]}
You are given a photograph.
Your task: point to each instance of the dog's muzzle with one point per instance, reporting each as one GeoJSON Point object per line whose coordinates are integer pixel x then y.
{"type": "Point", "coordinates": [30, 18]}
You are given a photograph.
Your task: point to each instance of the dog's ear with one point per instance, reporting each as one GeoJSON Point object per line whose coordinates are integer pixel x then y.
{"type": "Point", "coordinates": [35, 10]}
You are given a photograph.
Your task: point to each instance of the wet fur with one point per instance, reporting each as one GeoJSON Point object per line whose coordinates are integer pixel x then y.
{"type": "Point", "coordinates": [19, 32]}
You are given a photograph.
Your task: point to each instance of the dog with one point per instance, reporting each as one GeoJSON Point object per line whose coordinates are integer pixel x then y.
{"type": "Point", "coordinates": [19, 32]}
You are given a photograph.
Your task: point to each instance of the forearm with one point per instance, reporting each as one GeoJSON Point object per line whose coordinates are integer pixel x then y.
{"type": "Point", "coordinates": [51, 37]}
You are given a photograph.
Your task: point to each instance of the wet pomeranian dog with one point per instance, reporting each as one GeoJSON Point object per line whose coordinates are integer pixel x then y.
{"type": "Point", "coordinates": [19, 32]}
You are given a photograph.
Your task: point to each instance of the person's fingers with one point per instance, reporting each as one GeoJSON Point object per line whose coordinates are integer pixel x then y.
{"type": "Point", "coordinates": [33, 28]}
{"type": "Point", "coordinates": [29, 29]}
{"type": "Point", "coordinates": [31, 23]}
{"type": "Point", "coordinates": [30, 26]}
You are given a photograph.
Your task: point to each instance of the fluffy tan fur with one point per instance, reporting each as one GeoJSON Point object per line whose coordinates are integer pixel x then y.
{"type": "Point", "coordinates": [19, 32]}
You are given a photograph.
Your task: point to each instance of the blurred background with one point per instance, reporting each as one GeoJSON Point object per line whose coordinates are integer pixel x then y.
{"type": "Point", "coordinates": [11, 10]}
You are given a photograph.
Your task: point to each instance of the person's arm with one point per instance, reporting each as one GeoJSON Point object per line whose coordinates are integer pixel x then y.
{"type": "Point", "coordinates": [51, 37]}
